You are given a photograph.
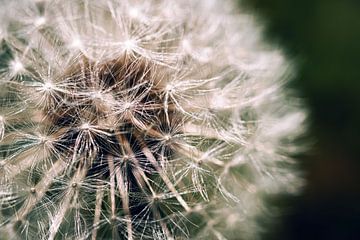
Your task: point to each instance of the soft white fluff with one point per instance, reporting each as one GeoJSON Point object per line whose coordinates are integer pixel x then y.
{"type": "Point", "coordinates": [155, 119]}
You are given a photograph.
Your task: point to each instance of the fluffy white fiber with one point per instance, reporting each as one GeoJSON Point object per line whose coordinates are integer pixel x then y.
{"type": "Point", "coordinates": [156, 119]}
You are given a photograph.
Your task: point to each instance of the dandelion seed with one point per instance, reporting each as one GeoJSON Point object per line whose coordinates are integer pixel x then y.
{"type": "Point", "coordinates": [40, 21]}
{"type": "Point", "coordinates": [2, 127]}
{"type": "Point", "coordinates": [16, 67]}
{"type": "Point", "coordinates": [76, 43]}
{"type": "Point", "coordinates": [129, 45]}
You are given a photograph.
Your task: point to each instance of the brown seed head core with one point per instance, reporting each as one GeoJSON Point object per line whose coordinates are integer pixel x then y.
{"type": "Point", "coordinates": [121, 100]}
{"type": "Point", "coordinates": [114, 122]}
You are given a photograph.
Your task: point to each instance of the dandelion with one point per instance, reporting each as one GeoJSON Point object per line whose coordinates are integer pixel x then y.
{"type": "Point", "coordinates": [140, 120]}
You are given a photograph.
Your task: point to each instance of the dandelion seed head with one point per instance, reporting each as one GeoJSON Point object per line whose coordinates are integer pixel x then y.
{"type": "Point", "coordinates": [141, 120]}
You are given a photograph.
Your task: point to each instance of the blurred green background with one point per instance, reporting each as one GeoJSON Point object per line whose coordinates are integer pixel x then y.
{"type": "Point", "coordinates": [324, 38]}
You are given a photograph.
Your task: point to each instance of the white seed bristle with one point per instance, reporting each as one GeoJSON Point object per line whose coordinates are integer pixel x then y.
{"type": "Point", "coordinates": [156, 119]}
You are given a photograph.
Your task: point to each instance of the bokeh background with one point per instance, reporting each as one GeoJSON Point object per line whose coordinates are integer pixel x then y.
{"type": "Point", "coordinates": [323, 36]}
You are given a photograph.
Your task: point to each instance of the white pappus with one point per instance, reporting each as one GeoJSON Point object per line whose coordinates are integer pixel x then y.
{"type": "Point", "coordinates": [132, 119]}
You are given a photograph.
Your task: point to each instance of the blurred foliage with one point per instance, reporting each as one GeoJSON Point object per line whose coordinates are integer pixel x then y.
{"type": "Point", "coordinates": [324, 37]}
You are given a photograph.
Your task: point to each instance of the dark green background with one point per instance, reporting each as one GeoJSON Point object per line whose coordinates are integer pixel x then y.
{"type": "Point", "coordinates": [324, 38]}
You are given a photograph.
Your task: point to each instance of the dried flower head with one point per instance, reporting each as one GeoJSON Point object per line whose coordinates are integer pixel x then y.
{"type": "Point", "coordinates": [135, 119]}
